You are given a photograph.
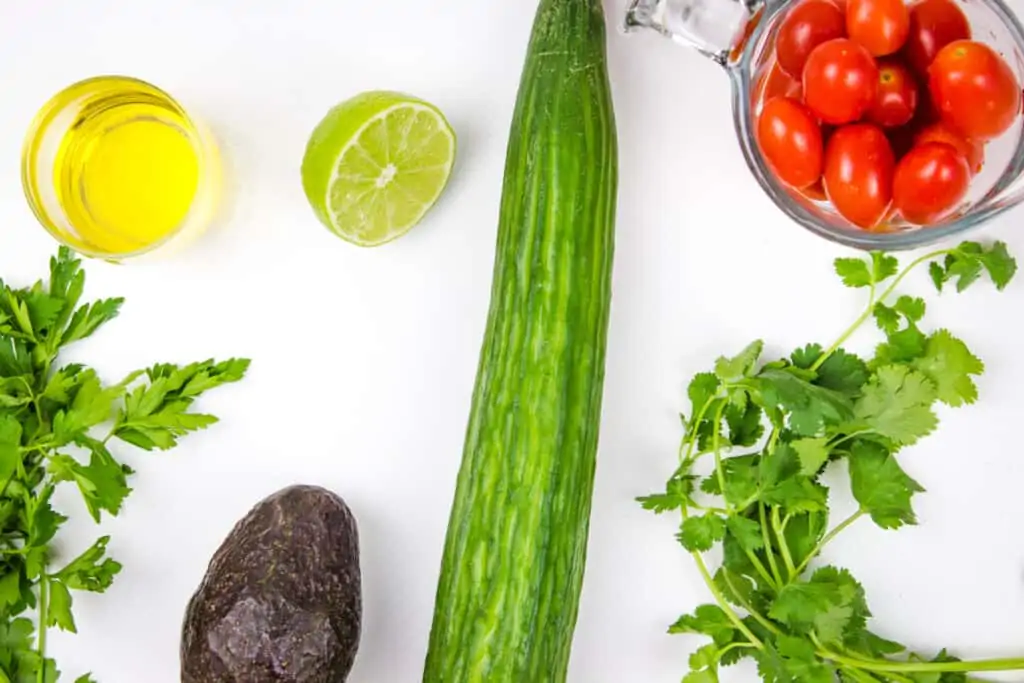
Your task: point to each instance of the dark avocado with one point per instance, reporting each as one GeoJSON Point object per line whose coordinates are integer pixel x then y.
{"type": "Point", "coordinates": [281, 601]}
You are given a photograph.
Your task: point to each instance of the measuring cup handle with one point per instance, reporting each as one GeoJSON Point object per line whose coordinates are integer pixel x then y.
{"type": "Point", "coordinates": [713, 27]}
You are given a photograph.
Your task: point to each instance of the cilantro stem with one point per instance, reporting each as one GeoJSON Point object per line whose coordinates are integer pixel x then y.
{"type": "Point", "coordinates": [872, 300]}
{"type": "Point", "coordinates": [778, 583]}
{"type": "Point", "coordinates": [883, 666]}
{"type": "Point", "coordinates": [716, 445]}
{"type": "Point", "coordinates": [733, 646]}
{"type": "Point", "coordinates": [827, 539]}
{"type": "Point", "coordinates": [859, 675]}
{"type": "Point", "coordinates": [783, 546]}
{"type": "Point", "coordinates": [772, 628]}
{"type": "Point", "coordinates": [723, 603]}
{"type": "Point", "coordinates": [690, 440]}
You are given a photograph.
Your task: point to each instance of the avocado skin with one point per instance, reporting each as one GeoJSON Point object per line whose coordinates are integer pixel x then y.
{"type": "Point", "coordinates": [281, 601]}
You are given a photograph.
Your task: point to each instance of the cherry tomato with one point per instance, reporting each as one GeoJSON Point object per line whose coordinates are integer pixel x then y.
{"type": "Point", "coordinates": [815, 192]}
{"type": "Point", "coordinates": [790, 139]}
{"type": "Point", "coordinates": [858, 173]}
{"type": "Point", "coordinates": [896, 99]}
{"type": "Point", "coordinates": [973, 151]}
{"type": "Point", "coordinates": [933, 25]}
{"type": "Point", "coordinates": [881, 26]}
{"type": "Point", "coordinates": [974, 89]}
{"type": "Point", "coordinates": [929, 182]}
{"type": "Point", "coordinates": [809, 24]}
{"type": "Point", "coordinates": [774, 82]}
{"type": "Point", "coordinates": [840, 80]}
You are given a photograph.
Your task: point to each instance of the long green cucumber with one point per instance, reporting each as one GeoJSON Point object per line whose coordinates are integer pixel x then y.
{"type": "Point", "coordinates": [513, 564]}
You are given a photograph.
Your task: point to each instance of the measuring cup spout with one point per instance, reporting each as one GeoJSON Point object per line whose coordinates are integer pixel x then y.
{"type": "Point", "coordinates": [713, 27]}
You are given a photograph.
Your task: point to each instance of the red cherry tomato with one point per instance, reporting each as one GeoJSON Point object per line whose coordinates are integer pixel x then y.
{"type": "Point", "coordinates": [929, 182]}
{"type": "Point", "coordinates": [974, 89]}
{"type": "Point", "coordinates": [790, 139]}
{"type": "Point", "coordinates": [881, 26]}
{"type": "Point", "coordinates": [896, 99]}
{"type": "Point", "coordinates": [973, 151]}
{"type": "Point", "coordinates": [774, 82]}
{"type": "Point", "coordinates": [858, 173]}
{"type": "Point", "coordinates": [840, 81]}
{"type": "Point", "coordinates": [933, 25]}
{"type": "Point", "coordinates": [809, 24]}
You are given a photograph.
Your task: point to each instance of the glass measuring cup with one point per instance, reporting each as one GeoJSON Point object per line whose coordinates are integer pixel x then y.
{"type": "Point", "coordinates": [739, 35]}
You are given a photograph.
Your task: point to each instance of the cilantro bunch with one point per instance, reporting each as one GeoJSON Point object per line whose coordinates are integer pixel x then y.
{"type": "Point", "coordinates": [767, 430]}
{"type": "Point", "coordinates": [59, 425]}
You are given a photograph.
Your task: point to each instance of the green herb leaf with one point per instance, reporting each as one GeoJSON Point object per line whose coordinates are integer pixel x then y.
{"type": "Point", "coordinates": [854, 272]}
{"type": "Point", "coordinates": [949, 364]}
{"type": "Point", "coordinates": [59, 613]}
{"type": "Point", "coordinates": [709, 620]}
{"type": "Point", "coordinates": [699, 534]}
{"type": "Point", "coordinates": [897, 404]}
{"type": "Point", "coordinates": [92, 570]}
{"type": "Point", "coordinates": [741, 365]}
{"type": "Point", "coordinates": [812, 453]}
{"type": "Point", "coordinates": [881, 487]}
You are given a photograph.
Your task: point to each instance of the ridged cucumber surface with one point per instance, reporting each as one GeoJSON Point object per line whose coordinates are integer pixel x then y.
{"type": "Point", "coordinates": [513, 564]}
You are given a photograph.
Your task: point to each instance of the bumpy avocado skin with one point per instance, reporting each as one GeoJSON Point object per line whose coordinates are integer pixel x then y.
{"type": "Point", "coordinates": [281, 601]}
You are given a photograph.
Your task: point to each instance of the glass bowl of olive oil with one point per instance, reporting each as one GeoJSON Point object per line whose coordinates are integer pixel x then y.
{"type": "Point", "coordinates": [114, 168]}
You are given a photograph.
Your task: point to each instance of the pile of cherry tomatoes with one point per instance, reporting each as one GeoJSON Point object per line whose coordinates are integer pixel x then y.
{"type": "Point", "coordinates": [880, 108]}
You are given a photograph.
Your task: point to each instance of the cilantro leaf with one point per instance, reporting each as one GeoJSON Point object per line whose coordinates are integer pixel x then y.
{"type": "Point", "coordinates": [897, 404]}
{"type": "Point", "coordinates": [887, 318]}
{"type": "Point", "coordinates": [746, 531]}
{"type": "Point", "coordinates": [965, 264]}
{"type": "Point", "coordinates": [810, 407]}
{"type": "Point", "coordinates": [881, 487]}
{"type": "Point", "coordinates": [745, 427]}
{"type": "Point", "coordinates": [883, 266]}
{"type": "Point", "coordinates": [949, 364]}
{"type": "Point", "coordinates": [801, 661]}
{"type": "Point", "coordinates": [677, 495]}
{"type": "Point", "coordinates": [854, 272]}
{"type": "Point", "coordinates": [830, 605]}
{"type": "Point", "coordinates": [843, 373]}
{"type": "Point", "coordinates": [709, 620]}
{"type": "Point", "coordinates": [812, 453]}
{"type": "Point", "coordinates": [741, 474]}
{"type": "Point", "coordinates": [740, 365]}
{"type": "Point", "coordinates": [782, 483]}
{"type": "Point", "coordinates": [699, 534]}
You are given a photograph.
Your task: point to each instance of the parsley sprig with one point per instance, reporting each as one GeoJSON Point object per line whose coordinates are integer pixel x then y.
{"type": "Point", "coordinates": [59, 425]}
{"type": "Point", "coordinates": [765, 432]}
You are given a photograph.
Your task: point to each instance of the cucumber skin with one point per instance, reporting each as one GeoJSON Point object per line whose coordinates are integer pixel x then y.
{"type": "Point", "coordinates": [513, 564]}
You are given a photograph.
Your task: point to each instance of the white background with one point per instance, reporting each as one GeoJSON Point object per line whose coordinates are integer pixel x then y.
{"type": "Point", "coordinates": [363, 360]}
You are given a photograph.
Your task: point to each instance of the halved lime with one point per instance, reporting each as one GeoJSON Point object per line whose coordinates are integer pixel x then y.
{"type": "Point", "coordinates": [376, 164]}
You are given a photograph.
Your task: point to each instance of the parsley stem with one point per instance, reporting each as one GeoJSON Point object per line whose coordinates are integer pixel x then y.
{"type": "Point", "coordinates": [733, 646]}
{"type": "Point", "coordinates": [690, 441]}
{"type": "Point", "coordinates": [783, 546]}
{"type": "Point", "coordinates": [768, 548]}
{"type": "Point", "coordinates": [858, 675]}
{"type": "Point", "coordinates": [44, 617]}
{"type": "Point", "coordinates": [828, 538]}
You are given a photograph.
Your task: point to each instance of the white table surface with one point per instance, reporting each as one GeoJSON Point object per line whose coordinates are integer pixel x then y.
{"type": "Point", "coordinates": [363, 360]}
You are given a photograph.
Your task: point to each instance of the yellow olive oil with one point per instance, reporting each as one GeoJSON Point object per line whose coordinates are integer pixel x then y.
{"type": "Point", "coordinates": [114, 166]}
